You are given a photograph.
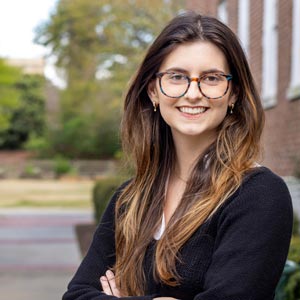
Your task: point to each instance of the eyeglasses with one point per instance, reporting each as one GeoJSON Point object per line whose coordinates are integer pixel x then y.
{"type": "Point", "coordinates": [211, 85]}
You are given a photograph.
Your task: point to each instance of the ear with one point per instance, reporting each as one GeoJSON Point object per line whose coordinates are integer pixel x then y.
{"type": "Point", "coordinates": [153, 92]}
{"type": "Point", "coordinates": [234, 94]}
{"type": "Point", "coordinates": [232, 98]}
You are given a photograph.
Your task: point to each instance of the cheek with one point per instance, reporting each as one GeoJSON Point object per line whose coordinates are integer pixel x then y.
{"type": "Point", "coordinates": [168, 111]}
{"type": "Point", "coordinates": [165, 108]}
{"type": "Point", "coordinates": [220, 112]}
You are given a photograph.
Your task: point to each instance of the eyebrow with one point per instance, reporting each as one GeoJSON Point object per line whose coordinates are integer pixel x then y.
{"type": "Point", "coordinates": [180, 70]}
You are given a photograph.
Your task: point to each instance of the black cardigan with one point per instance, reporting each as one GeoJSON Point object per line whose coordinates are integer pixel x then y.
{"type": "Point", "coordinates": [238, 254]}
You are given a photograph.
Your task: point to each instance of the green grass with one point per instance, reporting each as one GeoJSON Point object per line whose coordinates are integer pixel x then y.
{"type": "Point", "coordinates": [46, 193]}
{"type": "Point", "coordinates": [58, 204]}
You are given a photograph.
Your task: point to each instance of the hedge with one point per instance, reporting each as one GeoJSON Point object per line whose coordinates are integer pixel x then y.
{"type": "Point", "coordinates": [102, 193]}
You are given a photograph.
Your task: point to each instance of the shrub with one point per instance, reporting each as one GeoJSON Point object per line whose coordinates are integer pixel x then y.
{"type": "Point", "coordinates": [62, 166]}
{"type": "Point", "coordinates": [30, 171]}
{"type": "Point", "coordinates": [102, 193]}
{"type": "Point", "coordinates": [292, 288]}
{"type": "Point", "coordinates": [294, 252]}
{"type": "Point", "coordinates": [296, 225]}
{"type": "Point", "coordinates": [297, 167]}
{"type": "Point", "coordinates": [85, 136]}
{"type": "Point", "coordinates": [38, 145]}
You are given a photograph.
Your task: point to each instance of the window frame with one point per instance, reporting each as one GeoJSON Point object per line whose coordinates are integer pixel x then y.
{"type": "Point", "coordinates": [293, 91]}
{"type": "Point", "coordinates": [270, 54]}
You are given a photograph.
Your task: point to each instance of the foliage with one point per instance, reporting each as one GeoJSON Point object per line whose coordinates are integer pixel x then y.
{"type": "Point", "coordinates": [292, 288]}
{"type": "Point", "coordinates": [9, 95]}
{"type": "Point", "coordinates": [39, 145]}
{"type": "Point", "coordinates": [296, 224]}
{"type": "Point", "coordinates": [62, 166]}
{"type": "Point", "coordinates": [29, 117]}
{"type": "Point", "coordinates": [31, 171]}
{"type": "Point", "coordinates": [83, 136]}
{"type": "Point", "coordinates": [97, 45]}
{"type": "Point", "coordinates": [297, 167]}
{"type": "Point", "coordinates": [294, 251]}
{"type": "Point", "coordinates": [102, 193]}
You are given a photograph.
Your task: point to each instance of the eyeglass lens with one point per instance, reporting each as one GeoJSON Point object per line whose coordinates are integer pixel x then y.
{"type": "Point", "coordinates": [211, 85]}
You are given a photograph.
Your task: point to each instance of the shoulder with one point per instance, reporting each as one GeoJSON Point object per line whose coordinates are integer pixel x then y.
{"type": "Point", "coordinates": [262, 184]}
{"type": "Point", "coordinates": [266, 186]}
{"type": "Point", "coordinates": [263, 177]}
{"type": "Point", "coordinates": [261, 194]}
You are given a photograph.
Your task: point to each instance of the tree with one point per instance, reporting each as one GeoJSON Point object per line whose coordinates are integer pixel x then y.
{"type": "Point", "coordinates": [9, 95]}
{"type": "Point", "coordinates": [98, 45]}
{"type": "Point", "coordinates": [29, 117]}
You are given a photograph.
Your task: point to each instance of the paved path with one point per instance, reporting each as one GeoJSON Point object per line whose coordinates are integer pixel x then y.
{"type": "Point", "coordinates": [38, 252]}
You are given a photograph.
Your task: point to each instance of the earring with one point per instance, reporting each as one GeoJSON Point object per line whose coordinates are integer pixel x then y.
{"type": "Point", "coordinates": [154, 106]}
{"type": "Point", "coordinates": [232, 107]}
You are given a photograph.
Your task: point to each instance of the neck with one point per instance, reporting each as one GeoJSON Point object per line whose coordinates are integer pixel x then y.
{"type": "Point", "coordinates": [188, 149]}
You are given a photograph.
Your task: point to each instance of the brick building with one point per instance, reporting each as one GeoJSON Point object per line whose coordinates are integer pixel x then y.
{"type": "Point", "coordinates": [269, 31]}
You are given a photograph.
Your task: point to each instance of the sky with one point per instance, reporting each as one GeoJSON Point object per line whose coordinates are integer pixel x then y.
{"type": "Point", "coordinates": [18, 19]}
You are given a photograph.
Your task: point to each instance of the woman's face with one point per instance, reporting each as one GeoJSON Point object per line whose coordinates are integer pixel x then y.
{"type": "Point", "coordinates": [193, 114]}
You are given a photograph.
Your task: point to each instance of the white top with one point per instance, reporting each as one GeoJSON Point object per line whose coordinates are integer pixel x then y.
{"type": "Point", "coordinates": [160, 230]}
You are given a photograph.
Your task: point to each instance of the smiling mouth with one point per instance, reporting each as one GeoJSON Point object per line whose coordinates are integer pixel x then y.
{"type": "Point", "coordinates": [193, 110]}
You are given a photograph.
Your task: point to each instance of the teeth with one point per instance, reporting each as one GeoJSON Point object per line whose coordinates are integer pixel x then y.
{"type": "Point", "coordinates": [193, 110]}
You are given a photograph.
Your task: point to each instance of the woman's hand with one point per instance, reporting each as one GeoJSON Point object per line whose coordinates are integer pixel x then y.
{"type": "Point", "coordinates": [108, 283]}
{"type": "Point", "coordinates": [164, 298]}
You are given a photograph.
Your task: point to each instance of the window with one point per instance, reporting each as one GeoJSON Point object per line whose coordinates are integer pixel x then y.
{"type": "Point", "coordinates": [270, 54]}
{"type": "Point", "coordinates": [222, 11]}
{"type": "Point", "coordinates": [243, 24]}
{"type": "Point", "coordinates": [294, 89]}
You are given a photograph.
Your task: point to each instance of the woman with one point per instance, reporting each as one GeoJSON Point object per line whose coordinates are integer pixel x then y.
{"type": "Point", "coordinates": [200, 219]}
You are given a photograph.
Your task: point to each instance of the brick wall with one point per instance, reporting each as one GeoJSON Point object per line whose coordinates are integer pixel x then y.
{"type": "Point", "coordinates": [281, 137]}
{"type": "Point", "coordinates": [208, 7]}
{"type": "Point", "coordinates": [232, 8]}
{"type": "Point", "coordinates": [282, 132]}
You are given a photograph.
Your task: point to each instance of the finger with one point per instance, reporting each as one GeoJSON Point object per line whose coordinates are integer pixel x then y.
{"type": "Point", "coordinates": [105, 285]}
{"type": "Point", "coordinates": [112, 282]}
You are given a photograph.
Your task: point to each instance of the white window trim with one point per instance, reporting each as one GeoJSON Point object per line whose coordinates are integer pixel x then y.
{"type": "Point", "coordinates": [270, 54]}
{"type": "Point", "coordinates": [222, 11]}
{"type": "Point", "coordinates": [294, 88]}
{"type": "Point", "coordinates": [244, 24]}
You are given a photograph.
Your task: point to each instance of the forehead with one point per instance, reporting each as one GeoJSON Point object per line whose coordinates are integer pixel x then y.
{"type": "Point", "coordinates": [196, 57]}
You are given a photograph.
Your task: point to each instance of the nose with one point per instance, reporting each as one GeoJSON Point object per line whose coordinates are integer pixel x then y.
{"type": "Point", "coordinates": [194, 93]}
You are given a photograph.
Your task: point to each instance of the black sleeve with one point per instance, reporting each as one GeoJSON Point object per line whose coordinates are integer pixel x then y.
{"type": "Point", "coordinates": [85, 285]}
{"type": "Point", "coordinates": [252, 243]}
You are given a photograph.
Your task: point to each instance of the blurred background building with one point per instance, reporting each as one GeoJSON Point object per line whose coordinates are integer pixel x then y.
{"type": "Point", "coordinates": [269, 31]}
{"type": "Point", "coordinates": [28, 65]}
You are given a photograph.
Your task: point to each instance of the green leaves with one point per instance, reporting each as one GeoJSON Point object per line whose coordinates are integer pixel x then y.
{"type": "Point", "coordinates": [99, 45]}
{"type": "Point", "coordinates": [27, 112]}
{"type": "Point", "coordinates": [9, 95]}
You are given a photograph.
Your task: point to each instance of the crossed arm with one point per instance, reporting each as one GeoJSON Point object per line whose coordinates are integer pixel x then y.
{"type": "Point", "coordinates": [109, 287]}
{"type": "Point", "coordinates": [250, 248]}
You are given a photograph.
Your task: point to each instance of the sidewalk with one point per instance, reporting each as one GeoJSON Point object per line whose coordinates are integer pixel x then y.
{"type": "Point", "coordinates": [38, 252]}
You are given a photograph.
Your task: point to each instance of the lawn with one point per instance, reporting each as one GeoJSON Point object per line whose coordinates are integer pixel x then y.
{"type": "Point", "coordinates": [46, 193]}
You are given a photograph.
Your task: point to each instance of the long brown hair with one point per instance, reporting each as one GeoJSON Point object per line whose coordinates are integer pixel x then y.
{"type": "Point", "coordinates": [148, 140]}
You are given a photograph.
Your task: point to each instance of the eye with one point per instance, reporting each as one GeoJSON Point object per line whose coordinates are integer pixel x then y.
{"type": "Point", "coordinates": [175, 77]}
{"type": "Point", "coordinates": [212, 79]}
